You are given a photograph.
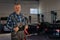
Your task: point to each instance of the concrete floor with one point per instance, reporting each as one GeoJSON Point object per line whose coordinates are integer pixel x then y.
{"type": "Point", "coordinates": [33, 37]}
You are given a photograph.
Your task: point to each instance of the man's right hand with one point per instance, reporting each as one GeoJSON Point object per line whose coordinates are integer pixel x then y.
{"type": "Point", "coordinates": [16, 29]}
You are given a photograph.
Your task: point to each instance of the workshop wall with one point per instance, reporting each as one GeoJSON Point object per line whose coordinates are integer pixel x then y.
{"type": "Point", "coordinates": [45, 6]}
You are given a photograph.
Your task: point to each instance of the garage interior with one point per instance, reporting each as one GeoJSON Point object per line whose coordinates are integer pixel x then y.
{"type": "Point", "coordinates": [43, 18]}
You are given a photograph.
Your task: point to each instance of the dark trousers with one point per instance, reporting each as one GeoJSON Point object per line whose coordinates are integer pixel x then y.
{"type": "Point", "coordinates": [18, 35]}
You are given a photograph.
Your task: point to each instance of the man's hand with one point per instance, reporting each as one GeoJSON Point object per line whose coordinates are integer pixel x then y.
{"type": "Point", "coordinates": [26, 26]}
{"type": "Point", "coordinates": [26, 30]}
{"type": "Point", "coordinates": [16, 29]}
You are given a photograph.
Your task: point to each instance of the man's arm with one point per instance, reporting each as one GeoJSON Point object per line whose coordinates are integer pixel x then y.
{"type": "Point", "coordinates": [9, 23]}
{"type": "Point", "coordinates": [26, 26]}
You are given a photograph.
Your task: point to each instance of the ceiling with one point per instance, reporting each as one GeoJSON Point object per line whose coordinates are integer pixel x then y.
{"type": "Point", "coordinates": [13, 1]}
{"type": "Point", "coordinates": [28, 0]}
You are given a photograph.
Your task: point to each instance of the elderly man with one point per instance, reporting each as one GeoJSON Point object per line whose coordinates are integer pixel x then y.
{"type": "Point", "coordinates": [17, 24]}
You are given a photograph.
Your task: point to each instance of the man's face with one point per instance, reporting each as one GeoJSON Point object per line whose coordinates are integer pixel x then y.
{"type": "Point", "coordinates": [17, 8]}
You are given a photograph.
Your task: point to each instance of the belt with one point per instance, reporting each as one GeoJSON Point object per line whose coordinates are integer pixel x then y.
{"type": "Point", "coordinates": [22, 28]}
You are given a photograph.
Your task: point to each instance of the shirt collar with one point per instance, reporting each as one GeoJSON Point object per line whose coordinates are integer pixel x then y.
{"type": "Point", "coordinates": [17, 14]}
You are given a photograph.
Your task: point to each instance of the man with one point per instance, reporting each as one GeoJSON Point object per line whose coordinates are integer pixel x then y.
{"type": "Point", "coordinates": [16, 22]}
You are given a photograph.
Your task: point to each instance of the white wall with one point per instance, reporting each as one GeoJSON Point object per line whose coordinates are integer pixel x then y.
{"type": "Point", "coordinates": [46, 6]}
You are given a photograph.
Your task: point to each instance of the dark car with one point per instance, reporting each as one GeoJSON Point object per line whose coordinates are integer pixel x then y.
{"type": "Point", "coordinates": [54, 31]}
{"type": "Point", "coordinates": [32, 28]}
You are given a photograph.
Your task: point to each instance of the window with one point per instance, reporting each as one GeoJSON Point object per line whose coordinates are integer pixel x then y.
{"type": "Point", "coordinates": [33, 11]}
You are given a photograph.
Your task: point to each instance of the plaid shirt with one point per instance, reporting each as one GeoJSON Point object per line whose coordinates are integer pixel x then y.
{"type": "Point", "coordinates": [14, 19]}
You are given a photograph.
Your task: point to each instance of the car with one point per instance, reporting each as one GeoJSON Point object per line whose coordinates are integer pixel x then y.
{"type": "Point", "coordinates": [54, 31]}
